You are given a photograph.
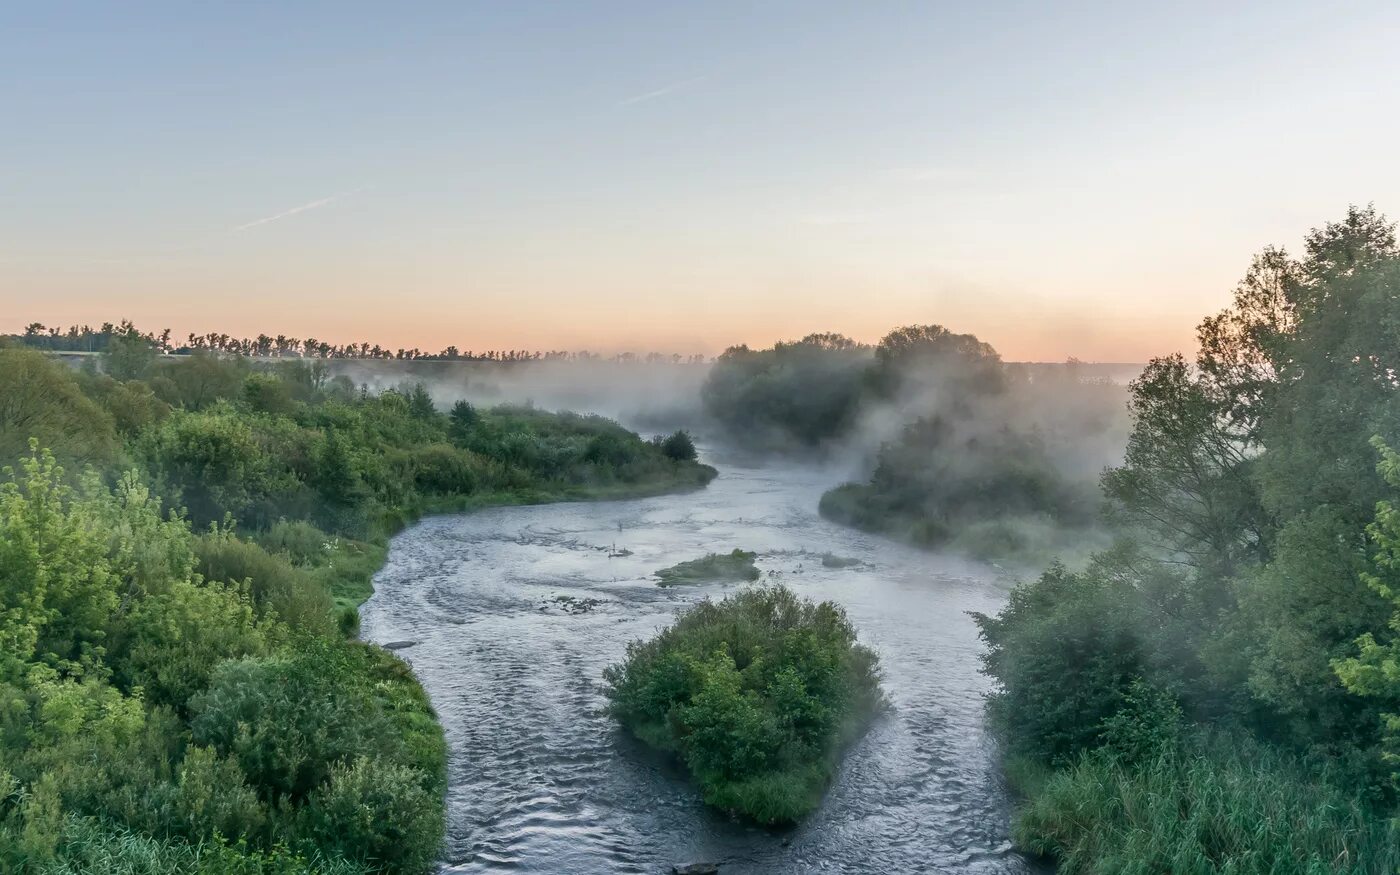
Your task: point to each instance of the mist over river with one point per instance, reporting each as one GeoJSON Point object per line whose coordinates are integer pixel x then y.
{"type": "Point", "coordinates": [511, 646]}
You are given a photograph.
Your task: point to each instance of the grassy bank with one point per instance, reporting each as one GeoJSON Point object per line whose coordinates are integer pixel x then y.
{"type": "Point", "coordinates": [733, 567]}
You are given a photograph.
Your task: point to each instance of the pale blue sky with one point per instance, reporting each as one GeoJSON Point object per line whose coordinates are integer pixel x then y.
{"type": "Point", "coordinates": [1075, 178]}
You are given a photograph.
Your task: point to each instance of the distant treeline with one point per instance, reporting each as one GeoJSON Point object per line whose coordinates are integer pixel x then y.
{"type": "Point", "coordinates": [85, 338]}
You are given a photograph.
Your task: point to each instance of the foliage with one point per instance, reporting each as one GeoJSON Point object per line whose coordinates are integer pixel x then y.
{"type": "Point", "coordinates": [1261, 597]}
{"type": "Point", "coordinates": [939, 478]}
{"type": "Point", "coordinates": [757, 694]}
{"type": "Point", "coordinates": [804, 393]}
{"type": "Point", "coordinates": [177, 691]}
{"type": "Point", "coordinates": [678, 446]}
{"type": "Point", "coordinates": [975, 455]}
{"type": "Point", "coordinates": [737, 565]}
{"type": "Point", "coordinates": [1375, 671]}
{"type": "Point", "coordinates": [41, 399]}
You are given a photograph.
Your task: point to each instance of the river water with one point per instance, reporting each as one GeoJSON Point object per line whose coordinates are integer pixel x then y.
{"type": "Point", "coordinates": [541, 780]}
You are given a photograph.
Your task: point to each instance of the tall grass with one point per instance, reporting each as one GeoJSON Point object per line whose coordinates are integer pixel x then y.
{"type": "Point", "coordinates": [1215, 804]}
{"type": "Point", "coordinates": [89, 847]}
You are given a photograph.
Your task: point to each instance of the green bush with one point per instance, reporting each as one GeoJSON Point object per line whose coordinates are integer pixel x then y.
{"type": "Point", "coordinates": [289, 720]}
{"type": "Point", "coordinates": [1065, 652]}
{"type": "Point", "coordinates": [377, 813]}
{"type": "Point", "coordinates": [757, 694]}
{"type": "Point", "coordinates": [679, 447]}
{"type": "Point", "coordinates": [292, 594]}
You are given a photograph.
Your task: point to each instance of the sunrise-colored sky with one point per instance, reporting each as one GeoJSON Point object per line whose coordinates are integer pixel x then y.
{"type": "Point", "coordinates": [1061, 179]}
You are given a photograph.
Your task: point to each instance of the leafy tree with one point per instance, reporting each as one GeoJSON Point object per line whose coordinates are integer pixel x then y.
{"type": "Point", "coordinates": [265, 393]}
{"type": "Point", "coordinates": [1186, 474]}
{"type": "Point", "coordinates": [805, 393]}
{"type": "Point", "coordinates": [129, 354]}
{"type": "Point", "coordinates": [925, 358]}
{"type": "Point", "coordinates": [41, 399]}
{"type": "Point", "coordinates": [1375, 671]}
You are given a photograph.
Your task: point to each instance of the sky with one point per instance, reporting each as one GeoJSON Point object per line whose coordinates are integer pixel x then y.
{"type": "Point", "coordinates": [1085, 179]}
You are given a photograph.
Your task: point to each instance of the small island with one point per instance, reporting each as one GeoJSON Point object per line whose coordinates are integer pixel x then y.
{"type": "Point", "coordinates": [734, 567]}
{"type": "Point", "coordinates": [757, 694]}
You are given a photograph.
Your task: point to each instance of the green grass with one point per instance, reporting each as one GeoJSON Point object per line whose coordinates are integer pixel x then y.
{"type": "Point", "coordinates": [1215, 805]}
{"type": "Point", "coordinates": [90, 847]}
{"type": "Point", "coordinates": [732, 567]}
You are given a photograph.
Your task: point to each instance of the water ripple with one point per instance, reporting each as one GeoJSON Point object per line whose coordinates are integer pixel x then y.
{"type": "Point", "coordinates": [540, 780]}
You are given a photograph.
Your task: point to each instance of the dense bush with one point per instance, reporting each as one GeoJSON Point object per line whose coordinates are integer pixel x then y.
{"type": "Point", "coordinates": [758, 694]}
{"type": "Point", "coordinates": [678, 446]}
{"type": "Point", "coordinates": [176, 688]}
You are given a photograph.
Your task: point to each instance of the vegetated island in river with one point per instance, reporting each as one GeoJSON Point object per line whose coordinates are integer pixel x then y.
{"type": "Point", "coordinates": [732, 567]}
{"type": "Point", "coordinates": [757, 694]}
{"type": "Point", "coordinates": [183, 547]}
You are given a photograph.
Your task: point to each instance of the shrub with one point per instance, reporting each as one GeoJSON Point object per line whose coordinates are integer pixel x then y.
{"type": "Point", "coordinates": [290, 719]}
{"type": "Point", "coordinates": [294, 595]}
{"type": "Point", "coordinates": [377, 813]}
{"type": "Point", "coordinates": [679, 447]}
{"type": "Point", "coordinates": [757, 694]}
{"type": "Point", "coordinates": [1065, 651]}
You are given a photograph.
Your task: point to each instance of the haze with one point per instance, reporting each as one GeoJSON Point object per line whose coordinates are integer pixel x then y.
{"type": "Point", "coordinates": [1080, 180]}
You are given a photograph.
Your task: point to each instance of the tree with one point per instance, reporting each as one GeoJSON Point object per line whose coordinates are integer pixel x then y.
{"type": "Point", "coordinates": [41, 399]}
{"type": "Point", "coordinates": [1375, 671]}
{"type": "Point", "coordinates": [461, 420]}
{"type": "Point", "coordinates": [679, 447]}
{"type": "Point", "coordinates": [1185, 478]}
{"type": "Point", "coordinates": [420, 403]}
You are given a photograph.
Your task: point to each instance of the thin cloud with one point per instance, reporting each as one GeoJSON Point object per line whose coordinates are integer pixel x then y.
{"type": "Point", "coordinates": [660, 92]}
{"type": "Point", "coordinates": [310, 205]}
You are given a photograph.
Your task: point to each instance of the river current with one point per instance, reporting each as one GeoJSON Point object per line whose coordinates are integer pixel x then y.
{"type": "Point", "coordinates": [508, 616]}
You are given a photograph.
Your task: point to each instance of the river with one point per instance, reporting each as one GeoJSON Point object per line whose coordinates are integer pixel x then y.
{"type": "Point", "coordinates": [511, 650]}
